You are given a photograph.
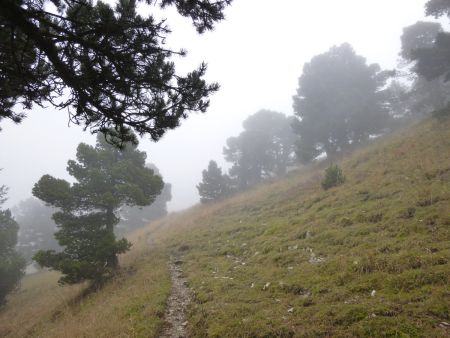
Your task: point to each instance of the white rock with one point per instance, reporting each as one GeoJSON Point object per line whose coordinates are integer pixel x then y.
{"type": "Point", "coordinates": [373, 293]}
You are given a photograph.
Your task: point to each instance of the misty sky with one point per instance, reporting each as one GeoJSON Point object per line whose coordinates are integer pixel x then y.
{"type": "Point", "coordinates": [256, 55]}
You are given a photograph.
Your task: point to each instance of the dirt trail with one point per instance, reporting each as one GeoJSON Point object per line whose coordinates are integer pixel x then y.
{"type": "Point", "coordinates": [180, 297]}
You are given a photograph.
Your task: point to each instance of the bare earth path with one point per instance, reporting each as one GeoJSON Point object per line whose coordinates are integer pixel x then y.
{"type": "Point", "coordinates": [180, 297]}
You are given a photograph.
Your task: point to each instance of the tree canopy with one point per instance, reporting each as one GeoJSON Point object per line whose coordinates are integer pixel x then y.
{"type": "Point", "coordinates": [264, 149]}
{"type": "Point", "coordinates": [422, 34]}
{"type": "Point", "coordinates": [433, 61]}
{"type": "Point", "coordinates": [12, 264]}
{"type": "Point", "coordinates": [339, 102]}
{"type": "Point", "coordinates": [420, 96]}
{"type": "Point", "coordinates": [108, 66]}
{"type": "Point", "coordinates": [214, 184]}
{"type": "Point", "coordinates": [134, 217]}
{"type": "Point", "coordinates": [106, 179]}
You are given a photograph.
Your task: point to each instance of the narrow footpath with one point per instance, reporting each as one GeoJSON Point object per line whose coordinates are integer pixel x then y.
{"type": "Point", "coordinates": [180, 297]}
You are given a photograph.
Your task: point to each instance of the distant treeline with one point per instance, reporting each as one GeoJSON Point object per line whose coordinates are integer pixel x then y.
{"type": "Point", "coordinates": [341, 102]}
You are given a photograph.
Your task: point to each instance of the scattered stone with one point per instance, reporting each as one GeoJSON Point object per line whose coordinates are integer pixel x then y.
{"type": "Point", "coordinates": [252, 285]}
{"type": "Point", "coordinates": [224, 277]}
{"type": "Point", "coordinates": [373, 293]}
{"type": "Point", "coordinates": [290, 310]}
{"type": "Point", "coordinates": [179, 298]}
{"type": "Point", "coordinates": [266, 286]}
{"type": "Point", "coordinates": [313, 259]}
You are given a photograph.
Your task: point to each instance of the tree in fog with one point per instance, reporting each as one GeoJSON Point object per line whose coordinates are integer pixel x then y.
{"type": "Point", "coordinates": [214, 184]}
{"type": "Point", "coordinates": [433, 61]}
{"type": "Point", "coordinates": [37, 227]}
{"type": "Point", "coordinates": [424, 95]}
{"type": "Point", "coordinates": [110, 63]}
{"type": "Point", "coordinates": [264, 149]}
{"type": "Point", "coordinates": [134, 217]}
{"type": "Point", "coordinates": [12, 264]}
{"type": "Point", "coordinates": [106, 178]}
{"type": "Point", "coordinates": [339, 101]}
{"type": "Point", "coordinates": [422, 34]}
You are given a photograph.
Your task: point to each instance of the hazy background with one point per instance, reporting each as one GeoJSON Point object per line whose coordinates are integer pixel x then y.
{"type": "Point", "coordinates": [256, 55]}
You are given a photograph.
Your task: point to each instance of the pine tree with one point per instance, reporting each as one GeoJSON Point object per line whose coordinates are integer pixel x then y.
{"type": "Point", "coordinates": [106, 179]}
{"type": "Point", "coordinates": [214, 185]}
{"type": "Point", "coordinates": [339, 102]}
{"type": "Point", "coordinates": [137, 216]}
{"type": "Point", "coordinates": [12, 264]}
{"type": "Point", "coordinates": [264, 149]}
{"type": "Point", "coordinates": [107, 65]}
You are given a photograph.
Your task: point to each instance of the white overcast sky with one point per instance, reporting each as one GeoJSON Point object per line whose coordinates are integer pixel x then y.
{"type": "Point", "coordinates": [256, 55]}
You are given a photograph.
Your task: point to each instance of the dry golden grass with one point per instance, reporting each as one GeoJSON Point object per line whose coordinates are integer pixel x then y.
{"type": "Point", "coordinates": [130, 305]}
{"type": "Point", "coordinates": [34, 302]}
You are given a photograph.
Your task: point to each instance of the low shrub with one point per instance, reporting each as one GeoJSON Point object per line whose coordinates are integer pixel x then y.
{"type": "Point", "coordinates": [333, 177]}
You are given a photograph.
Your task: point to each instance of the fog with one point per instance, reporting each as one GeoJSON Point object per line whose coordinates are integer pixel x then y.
{"type": "Point", "coordinates": [256, 54]}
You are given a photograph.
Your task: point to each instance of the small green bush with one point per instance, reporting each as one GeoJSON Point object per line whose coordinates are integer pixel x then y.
{"type": "Point", "coordinates": [333, 177]}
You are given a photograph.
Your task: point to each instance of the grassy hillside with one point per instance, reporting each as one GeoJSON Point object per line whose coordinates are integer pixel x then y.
{"type": "Point", "coordinates": [369, 258]}
{"type": "Point", "coordinates": [131, 305]}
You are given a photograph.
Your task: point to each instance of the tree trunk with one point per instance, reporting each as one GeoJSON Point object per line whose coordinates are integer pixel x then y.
{"type": "Point", "coordinates": [112, 260]}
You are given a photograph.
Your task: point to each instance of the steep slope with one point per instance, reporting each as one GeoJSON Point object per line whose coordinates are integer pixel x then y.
{"type": "Point", "coordinates": [368, 258]}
